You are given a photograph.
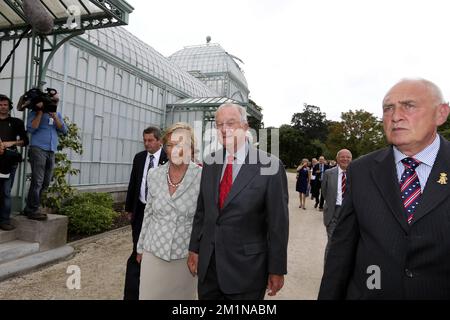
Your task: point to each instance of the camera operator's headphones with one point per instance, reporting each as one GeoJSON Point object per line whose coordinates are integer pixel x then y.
{"type": "Point", "coordinates": [3, 97]}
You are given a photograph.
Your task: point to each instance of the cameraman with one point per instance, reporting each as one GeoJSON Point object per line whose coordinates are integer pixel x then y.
{"type": "Point", "coordinates": [43, 127]}
{"type": "Point", "coordinates": [12, 135]}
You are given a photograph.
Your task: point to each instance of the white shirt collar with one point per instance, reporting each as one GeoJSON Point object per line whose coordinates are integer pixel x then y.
{"type": "Point", "coordinates": [426, 156]}
{"type": "Point", "coordinates": [241, 153]}
{"type": "Point", "coordinates": [156, 154]}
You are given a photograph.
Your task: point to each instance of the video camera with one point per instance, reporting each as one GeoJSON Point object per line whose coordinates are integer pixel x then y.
{"type": "Point", "coordinates": [35, 96]}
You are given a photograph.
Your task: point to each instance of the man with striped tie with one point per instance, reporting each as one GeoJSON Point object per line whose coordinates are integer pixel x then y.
{"type": "Point", "coordinates": [392, 240]}
{"type": "Point", "coordinates": [333, 190]}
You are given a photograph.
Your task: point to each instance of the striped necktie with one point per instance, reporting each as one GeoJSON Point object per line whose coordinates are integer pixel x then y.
{"type": "Point", "coordinates": [150, 165]}
{"type": "Point", "coordinates": [343, 184]}
{"type": "Point", "coordinates": [410, 187]}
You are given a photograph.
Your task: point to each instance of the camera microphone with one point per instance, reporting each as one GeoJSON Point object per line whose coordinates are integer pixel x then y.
{"type": "Point", "coordinates": [37, 16]}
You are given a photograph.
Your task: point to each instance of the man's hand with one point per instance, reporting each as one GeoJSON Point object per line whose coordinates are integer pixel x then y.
{"type": "Point", "coordinates": [39, 106]}
{"type": "Point", "coordinates": [130, 216]}
{"type": "Point", "coordinates": [2, 148]}
{"type": "Point", "coordinates": [139, 258]}
{"type": "Point", "coordinates": [275, 283]}
{"type": "Point", "coordinates": [192, 263]}
{"type": "Point", "coordinates": [9, 144]}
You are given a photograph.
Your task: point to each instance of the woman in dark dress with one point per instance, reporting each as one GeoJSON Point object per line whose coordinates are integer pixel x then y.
{"type": "Point", "coordinates": [303, 180]}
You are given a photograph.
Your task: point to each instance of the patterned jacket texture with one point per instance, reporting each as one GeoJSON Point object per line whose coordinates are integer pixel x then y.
{"type": "Point", "coordinates": [167, 225]}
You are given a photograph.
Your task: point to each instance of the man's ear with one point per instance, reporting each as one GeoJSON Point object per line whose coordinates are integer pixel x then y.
{"type": "Point", "coordinates": [442, 114]}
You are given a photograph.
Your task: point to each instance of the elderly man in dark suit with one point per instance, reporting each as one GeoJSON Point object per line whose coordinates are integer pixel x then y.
{"type": "Point", "coordinates": [333, 190]}
{"type": "Point", "coordinates": [153, 156]}
{"type": "Point", "coordinates": [392, 240]}
{"type": "Point", "coordinates": [240, 232]}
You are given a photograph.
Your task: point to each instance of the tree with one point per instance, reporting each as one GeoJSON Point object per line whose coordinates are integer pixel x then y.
{"type": "Point", "coordinates": [359, 131]}
{"type": "Point", "coordinates": [444, 130]}
{"type": "Point", "coordinates": [292, 145]}
{"type": "Point", "coordinates": [311, 122]}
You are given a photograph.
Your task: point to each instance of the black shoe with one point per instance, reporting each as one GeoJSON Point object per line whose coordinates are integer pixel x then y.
{"type": "Point", "coordinates": [37, 216]}
{"type": "Point", "coordinates": [6, 226]}
{"type": "Point", "coordinates": [315, 206]}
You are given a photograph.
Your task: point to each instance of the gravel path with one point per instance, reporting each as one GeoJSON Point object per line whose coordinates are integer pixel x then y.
{"type": "Point", "coordinates": [102, 260]}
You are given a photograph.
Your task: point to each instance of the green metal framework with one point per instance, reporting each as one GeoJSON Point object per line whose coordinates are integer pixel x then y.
{"type": "Point", "coordinates": [93, 14]}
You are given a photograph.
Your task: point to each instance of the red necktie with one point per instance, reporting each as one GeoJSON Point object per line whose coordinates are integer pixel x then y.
{"type": "Point", "coordinates": [226, 182]}
{"type": "Point", "coordinates": [410, 187]}
{"type": "Point", "coordinates": [344, 180]}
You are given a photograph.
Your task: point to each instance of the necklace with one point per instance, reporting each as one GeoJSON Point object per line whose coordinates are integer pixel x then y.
{"type": "Point", "coordinates": [169, 181]}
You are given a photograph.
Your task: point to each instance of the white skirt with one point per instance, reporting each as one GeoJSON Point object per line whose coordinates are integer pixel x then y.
{"type": "Point", "coordinates": [164, 280]}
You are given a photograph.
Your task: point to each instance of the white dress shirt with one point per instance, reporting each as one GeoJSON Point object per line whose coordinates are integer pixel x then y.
{"type": "Point", "coordinates": [427, 157]}
{"type": "Point", "coordinates": [339, 187]}
{"type": "Point", "coordinates": [156, 156]}
{"type": "Point", "coordinates": [239, 159]}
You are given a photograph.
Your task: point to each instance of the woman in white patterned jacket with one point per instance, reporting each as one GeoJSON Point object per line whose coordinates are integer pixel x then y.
{"type": "Point", "coordinates": [172, 199]}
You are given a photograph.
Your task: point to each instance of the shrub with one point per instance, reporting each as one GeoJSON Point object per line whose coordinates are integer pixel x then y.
{"type": "Point", "coordinates": [89, 213]}
{"type": "Point", "coordinates": [99, 198]}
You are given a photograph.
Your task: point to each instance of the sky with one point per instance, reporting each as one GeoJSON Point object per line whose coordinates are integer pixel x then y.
{"type": "Point", "coordinates": [338, 55]}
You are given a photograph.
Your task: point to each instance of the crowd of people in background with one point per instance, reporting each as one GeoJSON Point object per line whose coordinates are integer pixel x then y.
{"type": "Point", "coordinates": [309, 180]}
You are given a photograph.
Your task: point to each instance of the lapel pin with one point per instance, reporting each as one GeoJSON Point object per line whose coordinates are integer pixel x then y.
{"type": "Point", "coordinates": [443, 179]}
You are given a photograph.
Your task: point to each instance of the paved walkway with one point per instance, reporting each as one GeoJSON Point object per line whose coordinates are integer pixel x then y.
{"type": "Point", "coordinates": [102, 263]}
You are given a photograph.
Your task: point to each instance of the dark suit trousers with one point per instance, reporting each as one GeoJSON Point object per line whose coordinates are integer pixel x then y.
{"type": "Point", "coordinates": [133, 273]}
{"type": "Point", "coordinates": [209, 289]}
{"type": "Point", "coordinates": [330, 228]}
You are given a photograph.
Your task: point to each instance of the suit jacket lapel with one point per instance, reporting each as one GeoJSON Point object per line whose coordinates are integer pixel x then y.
{"type": "Point", "coordinates": [384, 175]}
{"type": "Point", "coordinates": [142, 158]}
{"type": "Point", "coordinates": [434, 192]}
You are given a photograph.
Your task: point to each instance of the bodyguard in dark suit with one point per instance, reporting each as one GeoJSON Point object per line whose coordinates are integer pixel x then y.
{"type": "Point", "coordinates": [239, 238]}
{"type": "Point", "coordinates": [319, 171]}
{"type": "Point", "coordinates": [392, 240]}
{"type": "Point", "coordinates": [152, 156]}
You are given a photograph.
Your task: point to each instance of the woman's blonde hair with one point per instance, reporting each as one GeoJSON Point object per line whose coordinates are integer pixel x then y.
{"type": "Point", "coordinates": [180, 126]}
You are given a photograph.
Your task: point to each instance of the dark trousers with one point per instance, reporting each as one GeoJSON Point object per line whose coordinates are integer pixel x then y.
{"type": "Point", "coordinates": [320, 200]}
{"type": "Point", "coordinates": [209, 289]}
{"type": "Point", "coordinates": [330, 229]}
{"type": "Point", "coordinates": [133, 273]}
{"type": "Point", "coordinates": [5, 196]}
{"type": "Point", "coordinates": [42, 163]}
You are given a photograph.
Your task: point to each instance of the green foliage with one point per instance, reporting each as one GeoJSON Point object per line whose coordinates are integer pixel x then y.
{"type": "Point", "coordinates": [59, 189]}
{"type": "Point", "coordinates": [99, 198]}
{"type": "Point", "coordinates": [291, 145]}
{"type": "Point", "coordinates": [311, 122]}
{"type": "Point", "coordinates": [359, 131]}
{"type": "Point", "coordinates": [89, 213]}
{"type": "Point", "coordinates": [88, 218]}
{"type": "Point", "coordinates": [444, 130]}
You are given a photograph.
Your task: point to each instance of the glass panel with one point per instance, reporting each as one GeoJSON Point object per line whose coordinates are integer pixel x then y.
{"type": "Point", "coordinates": [10, 14]}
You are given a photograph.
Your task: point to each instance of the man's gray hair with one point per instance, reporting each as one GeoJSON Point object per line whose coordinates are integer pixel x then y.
{"type": "Point", "coordinates": [432, 87]}
{"type": "Point", "coordinates": [240, 108]}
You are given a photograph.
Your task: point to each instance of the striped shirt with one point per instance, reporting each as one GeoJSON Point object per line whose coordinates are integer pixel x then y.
{"type": "Point", "coordinates": [427, 157]}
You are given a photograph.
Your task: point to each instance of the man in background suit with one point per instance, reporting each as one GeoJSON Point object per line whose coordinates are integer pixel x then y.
{"type": "Point", "coordinates": [240, 232]}
{"type": "Point", "coordinates": [333, 190]}
{"type": "Point", "coordinates": [392, 239]}
{"type": "Point", "coordinates": [151, 157]}
{"type": "Point", "coordinates": [318, 171]}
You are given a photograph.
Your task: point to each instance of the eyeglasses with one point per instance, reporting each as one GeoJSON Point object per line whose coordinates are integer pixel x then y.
{"type": "Point", "coordinates": [228, 124]}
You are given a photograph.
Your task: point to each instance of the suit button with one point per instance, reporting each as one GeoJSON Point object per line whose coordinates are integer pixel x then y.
{"type": "Point", "coordinates": [409, 273]}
